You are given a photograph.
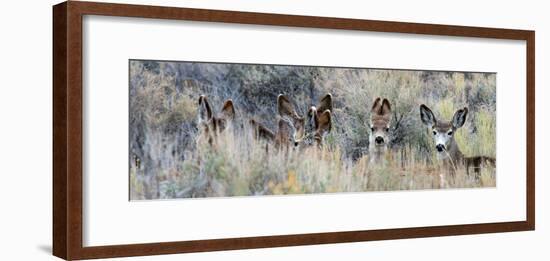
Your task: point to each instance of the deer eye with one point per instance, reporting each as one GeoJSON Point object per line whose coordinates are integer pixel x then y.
{"type": "Point", "coordinates": [434, 132]}
{"type": "Point", "coordinates": [371, 128]}
{"type": "Point", "coordinates": [387, 129]}
{"type": "Point", "coordinates": [450, 133]}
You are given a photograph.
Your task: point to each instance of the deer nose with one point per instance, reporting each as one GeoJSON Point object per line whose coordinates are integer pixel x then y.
{"type": "Point", "coordinates": [379, 140]}
{"type": "Point", "coordinates": [440, 147]}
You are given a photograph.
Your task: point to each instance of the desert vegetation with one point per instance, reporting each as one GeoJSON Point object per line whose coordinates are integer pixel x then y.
{"type": "Point", "coordinates": [168, 160]}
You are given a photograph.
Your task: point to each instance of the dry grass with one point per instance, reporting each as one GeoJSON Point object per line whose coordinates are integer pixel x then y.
{"type": "Point", "coordinates": [238, 165]}
{"type": "Point", "coordinates": [163, 131]}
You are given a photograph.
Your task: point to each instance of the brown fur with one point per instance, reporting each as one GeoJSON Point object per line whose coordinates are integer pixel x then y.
{"type": "Point", "coordinates": [294, 129]}
{"type": "Point", "coordinates": [450, 147]}
{"type": "Point", "coordinates": [261, 132]}
{"type": "Point", "coordinates": [324, 124]}
{"type": "Point", "coordinates": [379, 136]}
{"type": "Point", "coordinates": [211, 125]}
{"type": "Point", "coordinates": [478, 162]}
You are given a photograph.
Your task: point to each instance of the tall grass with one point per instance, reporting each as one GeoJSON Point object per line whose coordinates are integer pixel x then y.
{"type": "Point", "coordinates": [237, 165]}
{"type": "Point", "coordinates": [175, 164]}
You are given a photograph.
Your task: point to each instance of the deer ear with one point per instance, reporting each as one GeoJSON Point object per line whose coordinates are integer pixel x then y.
{"type": "Point", "coordinates": [324, 120]}
{"type": "Point", "coordinates": [376, 105]}
{"type": "Point", "coordinates": [325, 103]}
{"type": "Point", "coordinates": [460, 118]}
{"type": "Point", "coordinates": [386, 107]}
{"type": "Point", "coordinates": [205, 112]}
{"type": "Point", "coordinates": [312, 119]}
{"type": "Point", "coordinates": [284, 107]}
{"type": "Point", "coordinates": [228, 110]}
{"type": "Point", "coordinates": [427, 116]}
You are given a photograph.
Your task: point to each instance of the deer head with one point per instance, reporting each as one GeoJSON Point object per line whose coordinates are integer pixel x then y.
{"type": "Point", "coordinates": [291, 124]}
{"type": "Point", "coordinates": [380, 119]}
{"type": "Point", "coordinates": [211, 124]}
{"type": "Point", "coordinates": [443, 131]}
{"type": "Point", "coordinates": [319, 122]}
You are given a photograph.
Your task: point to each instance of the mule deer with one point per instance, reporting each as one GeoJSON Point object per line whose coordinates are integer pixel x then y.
{"type": "Point", "coordinates": [295, 130]}
{"type": "Point", "coordinates": [210, 125]}
{"type": "Point", "coordinates": [447, 149]}
{"type": "Point", "coordinates": [379, 136]}
{"type": "Point", "coordinates": [318, 122]}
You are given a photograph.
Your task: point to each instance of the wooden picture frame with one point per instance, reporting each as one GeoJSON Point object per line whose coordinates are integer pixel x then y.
{"type": "Point", "coordinates": [68, 118]}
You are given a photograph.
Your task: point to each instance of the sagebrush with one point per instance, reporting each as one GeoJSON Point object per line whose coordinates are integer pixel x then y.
{"type": "Point", "coordinates": [163, 129]}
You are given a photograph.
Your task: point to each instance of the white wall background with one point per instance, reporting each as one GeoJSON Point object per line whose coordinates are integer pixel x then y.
{"type": "Point", "coordinates": [25, 129]}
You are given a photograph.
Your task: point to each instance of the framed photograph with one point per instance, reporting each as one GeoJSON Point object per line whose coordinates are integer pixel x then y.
{"type": "Point", "coordinates": [186, 130]}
